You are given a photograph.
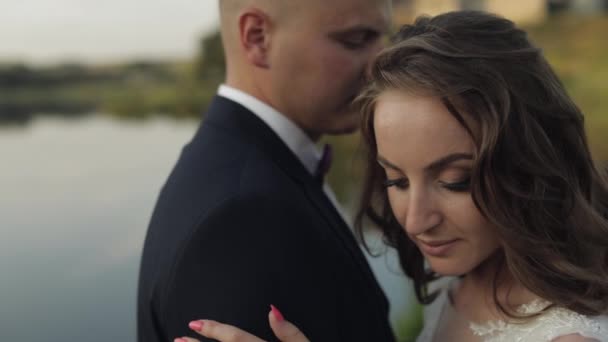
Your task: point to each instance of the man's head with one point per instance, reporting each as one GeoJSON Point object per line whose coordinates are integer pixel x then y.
{"type": "Point", "coordinates": [307, 59]}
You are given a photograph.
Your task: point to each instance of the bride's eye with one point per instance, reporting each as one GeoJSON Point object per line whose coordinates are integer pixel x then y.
{"type": "Point", "coordinates": [460, 186]}
{"type": "Point", "coordinates": [400, 183]}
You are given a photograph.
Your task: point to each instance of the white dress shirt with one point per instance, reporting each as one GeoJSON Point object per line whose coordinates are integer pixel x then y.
{"type": "Point", "coordinates": [293, 136]}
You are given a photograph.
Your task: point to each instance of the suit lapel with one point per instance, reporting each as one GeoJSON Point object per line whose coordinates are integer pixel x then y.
{"type": "Point", "coordinates": [243, 124]}
{"type": "Point", "coordinates": [344, 234]}
{"type": "Point", "coordinates": [246, 126]}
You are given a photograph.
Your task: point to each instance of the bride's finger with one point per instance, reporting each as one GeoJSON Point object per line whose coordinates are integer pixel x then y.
{"type": "Point", "coordinates": [186, 339]}
{"type": "Point", "coordinates": [284, 330]}
{"type": "Point", "coordinates": [222, 332]}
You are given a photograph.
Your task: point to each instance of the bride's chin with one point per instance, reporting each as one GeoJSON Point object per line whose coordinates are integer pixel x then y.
{"type": "Point", "coordinates": [459, 265]}
{"type": "Point", "coordinates": [448, 269]}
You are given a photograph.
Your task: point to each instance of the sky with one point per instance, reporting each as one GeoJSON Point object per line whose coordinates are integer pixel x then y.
{"type": "Point", "coordinates": [102, 31]}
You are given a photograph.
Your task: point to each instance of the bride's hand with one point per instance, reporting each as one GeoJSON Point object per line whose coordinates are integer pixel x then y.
{"type": "Point", "coordinates": [283, 330]}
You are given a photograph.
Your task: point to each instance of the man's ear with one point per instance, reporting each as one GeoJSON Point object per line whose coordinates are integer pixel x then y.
{"type": "Point", "coordinates": [254, 34]}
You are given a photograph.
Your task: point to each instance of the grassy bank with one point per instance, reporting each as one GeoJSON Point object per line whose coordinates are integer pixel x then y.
{"type": "Point", "coordinates": [578, 50]}
{"type": "Point", "coordinates": [134, 90]}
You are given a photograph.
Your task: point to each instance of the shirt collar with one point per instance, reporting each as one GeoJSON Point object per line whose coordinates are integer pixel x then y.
{"type": "Point", "coordinates": [292, 135]}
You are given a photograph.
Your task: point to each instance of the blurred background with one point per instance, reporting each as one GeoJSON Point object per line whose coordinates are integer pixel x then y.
{"type": "Point", "coordinates": [98, 97]}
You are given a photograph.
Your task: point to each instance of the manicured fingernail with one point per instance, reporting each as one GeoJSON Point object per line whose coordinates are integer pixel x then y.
{"type": "Point", "coordinates": [277, 314]}
{"type": "Point", "coordinates": [180, 340]}
{"type": "Point", "coordinates": [196, 325]}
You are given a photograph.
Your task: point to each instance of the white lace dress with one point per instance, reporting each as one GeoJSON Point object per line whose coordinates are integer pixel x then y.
{"type": "Point", "coordinates": [548, 326]}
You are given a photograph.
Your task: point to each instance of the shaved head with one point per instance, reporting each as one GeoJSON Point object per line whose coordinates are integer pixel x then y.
{"type": "Point", "coordinates": [230, 9]}
{"type": "Point", "coordinates": [277, 12]}
{"type": "Point", "coordinates": [305, 58]}
{"type": "Point", "coordinates": [275, 9]}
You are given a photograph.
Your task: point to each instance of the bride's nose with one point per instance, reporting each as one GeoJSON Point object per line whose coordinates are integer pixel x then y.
{"type": "Point", "coordinates": [417, 211]}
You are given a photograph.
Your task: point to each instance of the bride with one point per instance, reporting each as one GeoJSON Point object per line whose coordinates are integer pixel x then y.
{"type": "Point", "coordinates": [480, 176]}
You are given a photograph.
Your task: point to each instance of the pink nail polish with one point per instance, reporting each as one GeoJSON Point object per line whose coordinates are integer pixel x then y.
{"type": "Point", "coordinates": [277, 314]}
{"type": "Point", "coordinates": [196, 325]}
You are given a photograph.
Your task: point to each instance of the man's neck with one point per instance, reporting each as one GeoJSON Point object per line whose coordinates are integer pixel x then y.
{"type": "Point", "coordinates": [252, 89]}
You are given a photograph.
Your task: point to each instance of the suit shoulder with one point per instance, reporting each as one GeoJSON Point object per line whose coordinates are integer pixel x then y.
{"type": "Point", "coordinates": [259, 210]}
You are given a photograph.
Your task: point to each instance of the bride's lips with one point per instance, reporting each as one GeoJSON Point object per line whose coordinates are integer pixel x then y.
{"type": "Point", "coordinates": [436, 248]}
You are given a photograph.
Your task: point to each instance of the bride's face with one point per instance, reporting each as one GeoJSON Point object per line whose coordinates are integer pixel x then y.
{"type": "Point", "coordinates": [428, 156]}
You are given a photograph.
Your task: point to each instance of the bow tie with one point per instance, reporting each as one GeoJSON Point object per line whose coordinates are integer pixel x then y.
{"type": "Point", "coordinates": [324, 164]}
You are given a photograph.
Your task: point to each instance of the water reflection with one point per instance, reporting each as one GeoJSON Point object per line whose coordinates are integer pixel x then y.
{"type": "Point", "coordinates": [75, 202]}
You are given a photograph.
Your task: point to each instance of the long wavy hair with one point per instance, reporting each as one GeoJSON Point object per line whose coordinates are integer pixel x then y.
{"type": "Point", "coordinates": [533, 176]}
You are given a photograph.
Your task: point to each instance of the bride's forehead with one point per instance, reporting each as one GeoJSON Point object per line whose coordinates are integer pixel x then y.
{"type": "Point", "coordinates": [422, 117]}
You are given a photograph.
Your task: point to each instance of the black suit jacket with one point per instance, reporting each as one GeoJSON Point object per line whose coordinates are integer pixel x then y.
{"type": "Point", "coordinates": [240, 224]}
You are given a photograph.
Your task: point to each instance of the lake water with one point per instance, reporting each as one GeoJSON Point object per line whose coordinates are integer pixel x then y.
{"type": "Point", "coordinates": [75, 199]}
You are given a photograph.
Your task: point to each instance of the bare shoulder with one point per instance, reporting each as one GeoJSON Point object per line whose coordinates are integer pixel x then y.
{"type": "Point", "coordinates": [574, 338]}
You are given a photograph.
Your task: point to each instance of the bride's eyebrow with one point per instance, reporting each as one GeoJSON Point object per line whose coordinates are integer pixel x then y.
{"type": "Point", "coordinates": [437, 165]}
{"type": "Point", "coordinates": [386, 164]}
{"type": "Point", "coordinates": [444, 161]}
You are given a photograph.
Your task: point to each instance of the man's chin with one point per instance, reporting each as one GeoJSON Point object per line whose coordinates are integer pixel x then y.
{"type": "Point", "coordinates": [347, 124]}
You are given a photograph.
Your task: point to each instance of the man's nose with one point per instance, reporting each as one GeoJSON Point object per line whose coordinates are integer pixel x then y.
{"type": "Point", "coordinates": [375, 49]}
{"type": "Point", "coordinates": [380, 44]}
{"type": "Point", "coordinates": [372, 52]}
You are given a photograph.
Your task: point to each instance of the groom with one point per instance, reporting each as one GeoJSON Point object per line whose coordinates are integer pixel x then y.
{"type": "Point", "coordinates": [245, 219]}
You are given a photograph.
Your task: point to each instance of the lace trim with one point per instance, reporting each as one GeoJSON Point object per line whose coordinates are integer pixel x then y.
{"type": "Point", "coordinates": [549, 325]}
